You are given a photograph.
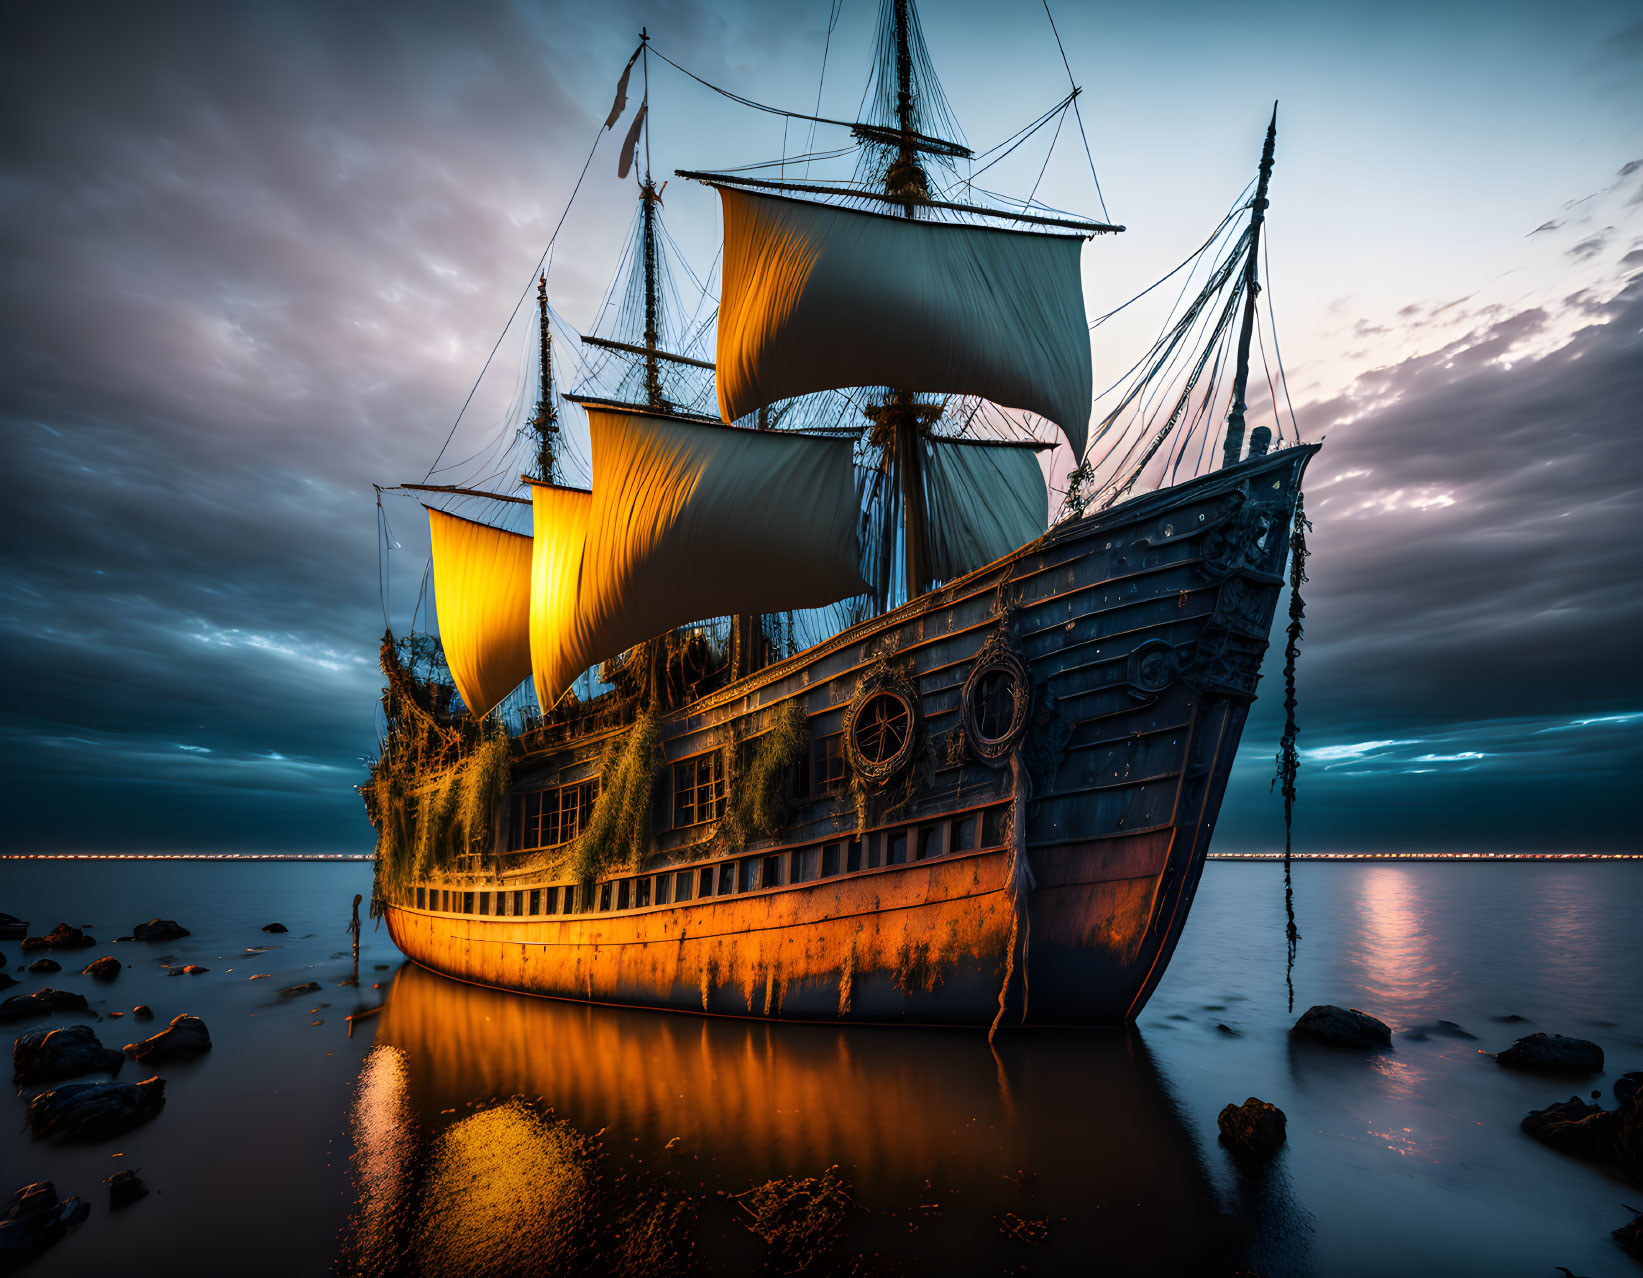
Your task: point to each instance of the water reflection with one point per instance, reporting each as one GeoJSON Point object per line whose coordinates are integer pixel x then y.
{"type": "Point", "coordinates": [497, 1133]}
{"type": "Point", "coordinates": [1395, 960]}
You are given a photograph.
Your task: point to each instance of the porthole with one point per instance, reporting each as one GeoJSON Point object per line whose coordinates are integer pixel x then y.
{"type": "Point", "coordinates": [996, 697]}
{"type": "Point", "coordinates": [882, 732]}
{"type": "Point", "coordinates": [1152, 666]}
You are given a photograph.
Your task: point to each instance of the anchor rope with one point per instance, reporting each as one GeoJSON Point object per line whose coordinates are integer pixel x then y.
{"type": "Point", "coordinates": [1289, 759]}
{"type": "Point", "coordinates": [1021, 884]}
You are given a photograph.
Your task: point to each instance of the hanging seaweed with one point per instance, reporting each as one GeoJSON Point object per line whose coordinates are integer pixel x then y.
{"type": "Point", "coordinates": [756, 805]}
{"type": "Point", "coordinates": [1289, 759]}
{"type": "Point", "coordinates": [618, 832]}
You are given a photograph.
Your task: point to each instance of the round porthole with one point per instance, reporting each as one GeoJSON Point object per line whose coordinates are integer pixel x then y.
{"type": "Point", "coordinates": [881, 733]}
{"type": "Point", "coordinates": [996, 699]}
{"type": "Point", "coordinates": [1152, 666]}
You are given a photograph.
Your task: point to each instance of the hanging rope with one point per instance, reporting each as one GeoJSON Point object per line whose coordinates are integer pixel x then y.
{"type": "Point", "coordinates": [1289, 759]}
{"type": "Point", "coordinates": [1021, 885]}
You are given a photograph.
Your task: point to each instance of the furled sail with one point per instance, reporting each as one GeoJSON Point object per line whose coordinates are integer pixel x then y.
{"type": "Point", "coordinates": [818, 297]}
{"type": "Point", "coordinates": [482, 599]}
{"type": "Point", "coordinates": [982, 500]}
{"type": "Point", "coordinates": [691, 519]}
{"type": "Point", "coordinates": [561, 523]}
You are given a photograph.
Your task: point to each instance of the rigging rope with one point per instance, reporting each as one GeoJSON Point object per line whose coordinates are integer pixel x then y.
{"type": "Point", "coordinates": [1077, 114]}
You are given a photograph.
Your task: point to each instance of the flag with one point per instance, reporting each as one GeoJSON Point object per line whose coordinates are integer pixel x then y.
{"type": "Point", "coordinates": [621, 102]}
{"type": "Point", "coordinates": [632, 141]}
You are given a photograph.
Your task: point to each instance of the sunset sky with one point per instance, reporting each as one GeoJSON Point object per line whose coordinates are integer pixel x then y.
{"type": "Point", "coordinates": [257, 254]}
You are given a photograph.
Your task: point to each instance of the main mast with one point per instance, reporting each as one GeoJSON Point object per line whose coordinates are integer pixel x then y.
{"type": "Point", "coordinates": [1234, 445]}
{"type": "Point", "coordinates": [545, 425]}
{"type": "Point", "coordinates": [647, 234]}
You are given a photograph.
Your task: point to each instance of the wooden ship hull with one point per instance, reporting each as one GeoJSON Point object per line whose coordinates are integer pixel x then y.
{"type": "Point", "coordinates": [1041, 859]}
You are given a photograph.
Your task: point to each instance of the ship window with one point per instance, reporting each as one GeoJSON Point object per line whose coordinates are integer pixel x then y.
{"type": "Point", "coordinates": [830, 860]}
{"type": "Point", "coordinates": [875, 851]}
{"type": "Point", "coordinates": [992, 828]}
{"type": "Point", "coordinates": [964, 834]}
{"type": "Point", "coordinates": [501, 903]}
{"type": "Point", "coordinates": [548, 818]}
{"type": "Point", "coordinates": [897, 853]}
{"type": "Point", "coordinates": [420, 894]}
{"type": "Point", "coordinates": [641, 893]}
{"type": "Point", "coordinates": [747, 880]}
{"type": "Point", "coordinates": [622, 894]}
{"type": "Point", "coordinates": [664, 885]}
{"type": "Point", "coordinates": [484, 902]}
{"type": "Point", "coordinates": [604, 896]}
{"type": "Point", "coordinates": [570, 898]}
{"type": "Point", "coordinates": [536, 901]}
{"type": "Point", "coordinates": [882, 731]}
{"type": "Point", "coordinates": [993, 712]}
{"type": "Point", "coordinates": [929, 841]}
{"type": "Point", "coordinates": [445, 900]}
{"type": "Point", "coordinates": [519, 903]}
{"type": "Point", "coordinates": [467, 903]}
{"type": "Point", "coordinates": [706, 888]}
{"type": "Point", "coordinates": [698, 789]}
{"type": "Point", "coordinates": [826, 763]}
{"type": "Point", "coordinates": [771, 874]}
{"type": "Point", "coordinates": [727, 878]}
{"type": "Point", "coordinates": [682, 884]}
{"type": "Point", "coordinates": [853, 861]}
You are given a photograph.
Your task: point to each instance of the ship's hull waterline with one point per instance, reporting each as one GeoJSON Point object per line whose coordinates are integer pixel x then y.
{"type": "Point", "coordinates": [1140, 632]}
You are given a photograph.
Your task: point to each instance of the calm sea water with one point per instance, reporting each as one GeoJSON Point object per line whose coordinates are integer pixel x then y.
{"type": "Point", "coordinates": [464, 1130]}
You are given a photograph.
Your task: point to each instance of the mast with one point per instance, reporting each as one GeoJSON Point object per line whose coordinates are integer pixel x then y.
{"type": "Point", "coordinates": [647, 222]}
{"type": "Point", "coordinates": [546, 422]}
{"type": "Point", "coordinates": [1234, 446]}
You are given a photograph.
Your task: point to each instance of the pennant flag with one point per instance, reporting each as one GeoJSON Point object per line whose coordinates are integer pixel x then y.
{"type": "Point", "coordinates": [632, 141]}
{"type": "Point", "coordinates": [621, 102]}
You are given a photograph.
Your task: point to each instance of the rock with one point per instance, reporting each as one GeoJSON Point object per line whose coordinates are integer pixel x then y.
{"type": "Point", "coordinates": [159, 930]}
{"type": "Point", "coordinates": [45, 965]}
{"type": "Point", "coordinates": [1254, 1129]}
{"type": "Point", "coordinates": [307, 987]}
{"type": "Point", "coordinates": [125, 1188]}
{"type": "Point", "coordinates": [1438, 1029]}
{"type": "Point", "coordinates": [1576, 1128]}
{"type": "Point", "coordinates": [114, 1016]}
{"type": "Point", "coordinates": [1511, 1018]}
{"type": "Point", "coordinates": [94, 1111]}
{"type": "Point", "coordinates": [7, 980]}
{"type": "Point", "coordinates": [61, 937]}
{"type": "Point", "coordinates": [35, 1220]}
{"type": "Point", "coordinates": [1228, 1031]}
{"type": "Point", "coordinates": [193, 969]}
{"type": "Point", "coordinates": [46, 1055]}
{"type": "Point", "coordinates": [186, 1036]}
{"type": "Point", "coordinates": [41, 1003]}
{"type": "Point", "coordinates": [1341, 1027]}
{"type": "Point", "coordinates": [103, 969]}
{"type": "Point", "coordinates": [1630, 1238]}
{"type": "Point", "coordinates": [1627, 1086]}
{"type": "Point", "coordinates": [275, 927]}
{"type": "Point", "coordinates": [1553, 1054]}
{"type": "Point", "coordinates": [143, 1012]}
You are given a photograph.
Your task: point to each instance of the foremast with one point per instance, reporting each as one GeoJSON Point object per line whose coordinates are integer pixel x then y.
{"type": "Point", "coordinates": [1261, 437]}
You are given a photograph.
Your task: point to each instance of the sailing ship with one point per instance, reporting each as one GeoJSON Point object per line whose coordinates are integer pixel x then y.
{"type": "Point", "coordinates": [983, 793]}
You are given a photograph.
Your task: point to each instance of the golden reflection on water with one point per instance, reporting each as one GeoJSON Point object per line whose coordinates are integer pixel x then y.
{"type": "Point", "coordinates": [1396, 956]}
{"type": "Point", "coordinates": [528, 1112]}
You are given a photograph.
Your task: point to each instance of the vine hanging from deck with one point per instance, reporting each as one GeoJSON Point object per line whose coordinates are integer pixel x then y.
{"type": "Point", "coordinates": [618, 832]}
{"type": "Point", "coordinates": [1289, 759]}
{"type": "Point", "coordinates": [756, 802]}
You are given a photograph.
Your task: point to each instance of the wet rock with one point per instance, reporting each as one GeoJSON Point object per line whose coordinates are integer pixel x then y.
{"type": "Point", "coordinates": [1573, 1127]}
{"type": "Point", "coordinates": [193, 969]}
{"type": "Point", "coordinates": [159, 930]}
{"type": "Point", "coordinates": [11, 926]}
{"type": "Point", "coordinates": [103, 969]}
{"type": "Point", "coordinates": [1511, 1018]}
{"type": "Point", "coordinates": [275, 927]}
{"type": "Point", "coordinates": [1253, 1130]}
{"type": "Point", "coordinates": [1228, 1031]}
{"type": "Point", "coordinates": [307, 987]}
{"type": "Point", "coordinates": [46, 1055]}
{"type": "Point", "coordinates": [41, 1003]}
{"type": "Point", "coordinates": [94, 1111]}
{"type": "Point", "coordinates": [1553, 1054]}
{"type": "Point", "coordinates": [1627, 1086]}
{"type": "Point", "coordinates": [1630, 1238]}
{"type": "Point", "coordinates": [143, 1012]}
{"type": "Point", "coordinates": [7, 980]}
{"type": "Point", "coordinates": [34, 1220]}
{"type": "Point", "coordinates": [1438, 1029]}
{"type": "Point", "coordinates": [185, 1037]}
{"type": "Point", "coordinates": [61, 937]}
{"type": "Point", "coordinates": [1341, 1027]}
{"type": "Point", "coordinates": [45, 966]}
{"type": "Point", "coordinates": [125, 1188]}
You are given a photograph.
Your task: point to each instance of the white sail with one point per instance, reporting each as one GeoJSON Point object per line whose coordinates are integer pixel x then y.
{"type": "Point", "coordinates": [691, 520]}
{"type": "Point", "coordinates": [818, 297]}
{"type": "Point", "coordinates": [560, 517]}
{"type": "Point", "coordinates": [981, 501]}
{"type": "Point", "coordinates": [482, 600]}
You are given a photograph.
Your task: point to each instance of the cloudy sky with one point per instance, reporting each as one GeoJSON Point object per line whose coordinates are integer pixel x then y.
{"type": "Point", "coordinates": [257, 253]}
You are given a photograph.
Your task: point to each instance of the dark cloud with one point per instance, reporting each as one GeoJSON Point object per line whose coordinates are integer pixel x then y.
{"type": "Point", "coordinates": [1591, 246]}
{"type": "Point", "coordinates": [1552, 225]}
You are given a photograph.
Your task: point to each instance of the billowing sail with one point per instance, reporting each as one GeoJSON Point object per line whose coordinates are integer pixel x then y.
{"type": "Point", "coordinates": [981, 502]}
{"type": "Point", "coordinates": [482, 598]}
{"type": "Point", "coordinates": [561, 522]}
{"type": "Point", "coordinates": [691, 520]}
{"type": "Point", "coordinates": [817, 297]}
